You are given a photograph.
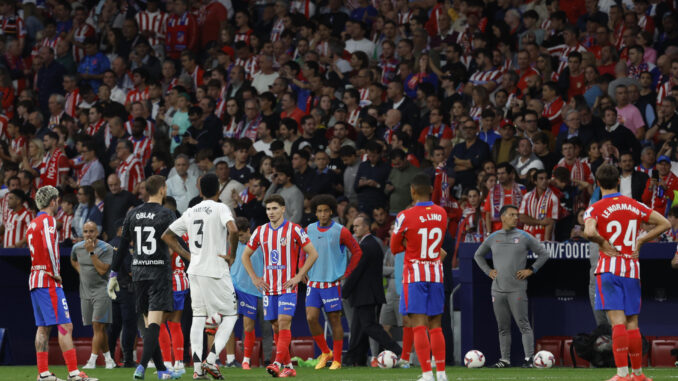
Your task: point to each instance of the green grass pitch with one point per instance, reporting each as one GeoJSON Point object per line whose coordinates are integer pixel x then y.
{"type": "Point", "coordinates": [11, 373]}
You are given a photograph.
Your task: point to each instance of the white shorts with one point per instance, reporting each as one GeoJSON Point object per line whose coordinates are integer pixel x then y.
{"type": "Point", "coordinates": [212, 295]}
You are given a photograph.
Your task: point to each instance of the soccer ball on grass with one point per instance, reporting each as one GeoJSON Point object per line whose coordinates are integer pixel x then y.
{"type": "Point", "coordinates": [474, 359]}
{"type": "Point", "coordinates": [387, 359]}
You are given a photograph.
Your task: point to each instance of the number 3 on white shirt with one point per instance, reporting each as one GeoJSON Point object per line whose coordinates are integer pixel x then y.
{"type": "Point", "coordinates": [428, 250]}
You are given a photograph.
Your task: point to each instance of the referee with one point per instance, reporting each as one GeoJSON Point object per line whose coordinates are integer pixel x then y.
{"type": "Point", "coordinates": [509, 248]}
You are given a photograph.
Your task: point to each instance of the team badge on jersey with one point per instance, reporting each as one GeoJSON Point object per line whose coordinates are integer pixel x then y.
{"type": "Point", "coordinates": [283, 242]}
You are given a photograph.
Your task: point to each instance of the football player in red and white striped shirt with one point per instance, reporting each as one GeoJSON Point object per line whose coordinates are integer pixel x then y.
{"type": "Point", "coordinates": [419, 232]}
{"type": "Point", "coordinates": [281, 242]}
{"type": "Point", "coordinates": [129, 170]}
{"type": "Point", "coordinates": [17, 221]}
{"type": "Point", "coordinates": [49, 303]}
{"type": "Point", "coordinates": [613, 223]}
{"type": "Point", "coordinates": [69, 202]}
{"type": "Point", "coordinates": [539, 208]}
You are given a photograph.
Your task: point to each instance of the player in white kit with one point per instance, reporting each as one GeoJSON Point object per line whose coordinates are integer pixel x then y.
{"type": "Point", "coordinates": [212, 293]}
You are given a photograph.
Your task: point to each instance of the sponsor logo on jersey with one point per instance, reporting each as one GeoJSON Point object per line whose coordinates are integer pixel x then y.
{"type": "Point", "coordinates": [275, 255]}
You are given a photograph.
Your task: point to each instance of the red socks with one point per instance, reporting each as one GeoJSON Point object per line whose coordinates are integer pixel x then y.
{"type": "Point", "coordinates": [338, 346]}
{"type": "Point", "coordinates": [177, 340]}
{"type": "Point", "coordinates": [408, 337]}
{"type": "Point", "coordinates": [423, 348]}
{"type": "Point", "coordinates": [71, 360]}
{"type": "Point", "coordinates": [248, 344]}
{"type": "Point", "coordinates": [42, 362]}
{"type": "Point", "coordinates": [438, 348]}
{"type": "Point", "coordinates": [620, 345]}
{"type": "Point", "coordinates": [276, 340]}
{"type": "Point", "coordinates": [322, 343]}
{"type": "Point", "coordinates": [635, 348]}
{"type": "Point", "coordinates": [164, 344]}
{"type": "Point", "coordinates": [282, 347]}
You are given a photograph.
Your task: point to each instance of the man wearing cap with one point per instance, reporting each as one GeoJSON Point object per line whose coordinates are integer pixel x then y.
{"type": "Point", "coordinates": [660, 192]}
{"type": "Point", "coordinates": [95, 63]}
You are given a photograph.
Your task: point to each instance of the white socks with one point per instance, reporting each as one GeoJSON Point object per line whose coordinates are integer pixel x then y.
{"type": "Point", "coordinates": [93, 358]}
{"type": "Point", "coordinates": [107, 356]}
{"type": "Point", "coordinates": [246, 360]}
{"type": "Point", "coordinates": [623, 372]}
{"type": "Point", "coordinates": [197, 328]}
{"type": "Point", "coordinates": [221, 337]}
{"type": "Point", "coordinates": [230, 358]}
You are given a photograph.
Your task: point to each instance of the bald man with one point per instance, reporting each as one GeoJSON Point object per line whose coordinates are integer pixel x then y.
{"type": "Point", "coordinates": [118, 201]}
{"type": "Point", "coordinates": [92, 258]}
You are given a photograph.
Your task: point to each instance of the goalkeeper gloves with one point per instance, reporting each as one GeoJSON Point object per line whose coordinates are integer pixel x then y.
{"type": "Point", "coordinates": [113, 285]}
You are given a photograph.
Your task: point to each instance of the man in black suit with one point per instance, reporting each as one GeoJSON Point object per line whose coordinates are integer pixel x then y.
{"type": "Point", "coordinates": [365, 293]}
{"type": "Point", "coordinates": [632, 182]}
{"type": "Point", "coordinates": [397, 100]}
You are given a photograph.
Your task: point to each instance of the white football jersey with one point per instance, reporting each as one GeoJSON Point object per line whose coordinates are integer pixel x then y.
{"type": "Point", "coordinates": [205, 224]}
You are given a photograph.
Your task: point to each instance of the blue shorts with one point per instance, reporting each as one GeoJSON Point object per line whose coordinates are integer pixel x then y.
{"type": "Point", "coordinates": [247, 304]}
{"type": "Point", "coordinates": [275, 305]}
{"type": "Point", "coordinates": [616, 293]}
{"type": "Point", "coordinates": [422, 298]}
{"type": "Point", "coordinates": [179, 298]}
{"type": "Point", "coordinates": [50, 306]}
{"type": "Point", "coordinates": [327, 298]}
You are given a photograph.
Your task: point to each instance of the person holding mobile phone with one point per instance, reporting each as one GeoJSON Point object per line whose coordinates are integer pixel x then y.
{"type": "Point", "coordinates": [661, 188]}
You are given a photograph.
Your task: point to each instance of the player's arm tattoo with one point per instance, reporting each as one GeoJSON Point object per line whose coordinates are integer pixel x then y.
{"type": "Point", "coordinates": [172, 241]}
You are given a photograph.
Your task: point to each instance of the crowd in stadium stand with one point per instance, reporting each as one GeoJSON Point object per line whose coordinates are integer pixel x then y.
{"type": "Point", "coordinates": [499, 102]}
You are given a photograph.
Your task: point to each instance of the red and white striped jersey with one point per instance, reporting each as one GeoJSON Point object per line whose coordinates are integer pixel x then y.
{"type": "Point", "coordinates": [79, 35]}
{"type": "Point", "coordinates": [149, 131]}
{"type": "Point", "coordinates": [19, 144]}
{"type": "Point", "coordinates": [405, 17]}
{"type": "Point", "coordinates": [251, 66]}
{"type": "Point", "coordinates": [664, 90]}
{"type": "Point", "coordinates": [553, 112]}
{"type": "Point", "coordinates": [54, 120]}
{"type": "Point", "coordinates": [136, 95]}
{"type": "Point", "coordinates": [278, 28]}
{"type": "Point", "coordinates": [353, 117]}
{"type": "Point", "coordinates": [142, 148]}
{"type": "Point", "coordinates": [579, 170]}
{"type": "Point", "coordinates": [43, 238]}
{"type": "Point", "coordinates": [73, 100]}
{"type": "Point", "coordinates": [94, 128]}
{"type": "Point", "coordinates": [66, 223]}
{"type": "Point", "coordinates": [281, 248]}
{"type": "Point", "coordinates": [647, 171]}
{"type": "Point", "coordinates": [13, 26]}
{"type": "Point", "coordinates": [197, 77]}
{"type": "Point", "coordinates": [364, 97]}
{"type": "Point", "coordinates": [323, 48]}
{"type": "Point", "coordinates": [179, 278]}
{"type": "Point", "coordinates": [483, 77]}
{"type": "Point", "coordinates": [539, 207]}
{"type": "Point", "coordinates": [221, 108]}
{"type": "Point", "coordinates": [3, 128]}
{"type": "Point", "coordinates": [618, 219]}
{"type": "Point", "coordinates": [423, 226]}
{"type": "Point", "coordinates": [15, 226]}
{"type": "Point", "coordinates": [562, 51]}
{"type": "Point", "coordinates": [130, 173]}
{"type": "Point", "coordinates": [50, 43]}
{"type": "Point", "coordinates": [243, 36]}
{"type": "Point", "coordinates": [156, 23]}
{"type": "Point", "coordinates": [619, 36]}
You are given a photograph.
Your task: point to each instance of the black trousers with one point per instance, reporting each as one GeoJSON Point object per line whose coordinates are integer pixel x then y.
{"type": "Point", "coordinates": [364, 325]}
{"type": "Point", "coordinates": [125, 320]}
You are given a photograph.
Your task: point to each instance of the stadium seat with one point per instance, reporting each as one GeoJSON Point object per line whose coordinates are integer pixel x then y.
{"type": "Point", "coordinates": [660, 352]}
{"type": "Point", "coordinates": [553, 344]}
{"type": "Point", "coordinates": [303, 347]}
{"type": "Point", "coordinates": [83, 349]}
{"type": "Point", "coordinates": [567, 356]}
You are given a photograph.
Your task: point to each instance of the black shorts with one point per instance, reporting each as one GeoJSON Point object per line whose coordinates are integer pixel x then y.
{"type": "Point", "coordinates": [153, 295]}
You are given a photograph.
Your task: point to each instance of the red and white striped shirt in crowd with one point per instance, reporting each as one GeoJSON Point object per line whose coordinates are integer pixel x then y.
{"type": "Point", "coordinates": [136, 95]}
{"type": "Point", "coordinates": [619, 36]}
{"type": "Point", "coordinates": [54, 120]}
{"type": "Point", "coordinates": [94, 128]}
{"type": "Point", "coordinates": [389, 68]}
{"type": "Point", "coordinates": [364, 97]}
{"type": "Point", "coordinates": [563, 51]}
{"type": "Point", "coordinates": [3, 128]}
{"type": "Point", "coordinates": [43, 241]}
{"type": "Point", "coordinates": [15, 226]}
{"type": "Point", "coordinates": [618, 220]}
{"type": "Point", "coordinates": [323, 48]}
{"type": "Point", "coordinates": [546, 26]}
{"type": "Point", "coordinates": [156, 23]}
{"type": "Point", "coordinates": [231, 128]}
{"type": "Point", "coordinates": [243, 36]}
{"type": "Point", "coordinates": [79, 35]}
{"type": "Point", "coordinates": [277, 30]}
{"type": "Point", "coordinates": [405, 17]}
{"type": "Point", "coordinates": [130, 173]}
{"type": "Point", "coordinates": [197, 77]}
{"type": "Point", "coordinates": [482, 77]}
{"type": "Point", "coordinates": [579, 170]}
{"type": "Point", "coordinates": [179, 278]}
{"type": "Point", "coordinates": [664, 90]}
{"type": "Point", "coordinates": [221, 108]}
{"type": "Point", "coordinates": [66, 222]}
{"type": "Point", "coordinates": [53, 166]}
{"type": "Point", "coordinates": [73, 101]}
{"type": "Point", "coordinates": [553, 112]}
{"type": "Point", "coordinates": [281, 247]}
{"type": "Point", "coordinates": [303, 7]}
{"type": "Point", "coordinates": [353, 117]}
{"type": "Point", "coordinates": [19, 144]}
{"type": "Point", "coordinates": [251, 66]}
{"type": "Point", "coordinates": [539, 207]}
{"type": "Point", "coordinates": [13, 26]}
{"type": "Point", "coordinates": [476, 111]}
{"type": "Point", "coordinates": [50, 43]}
{"type": "Point", "coordinates": [149, 131]}
{"type": "Point", "coordinates": [142, 148]}
{"type": "Point", "coordinates": [423, 226]}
